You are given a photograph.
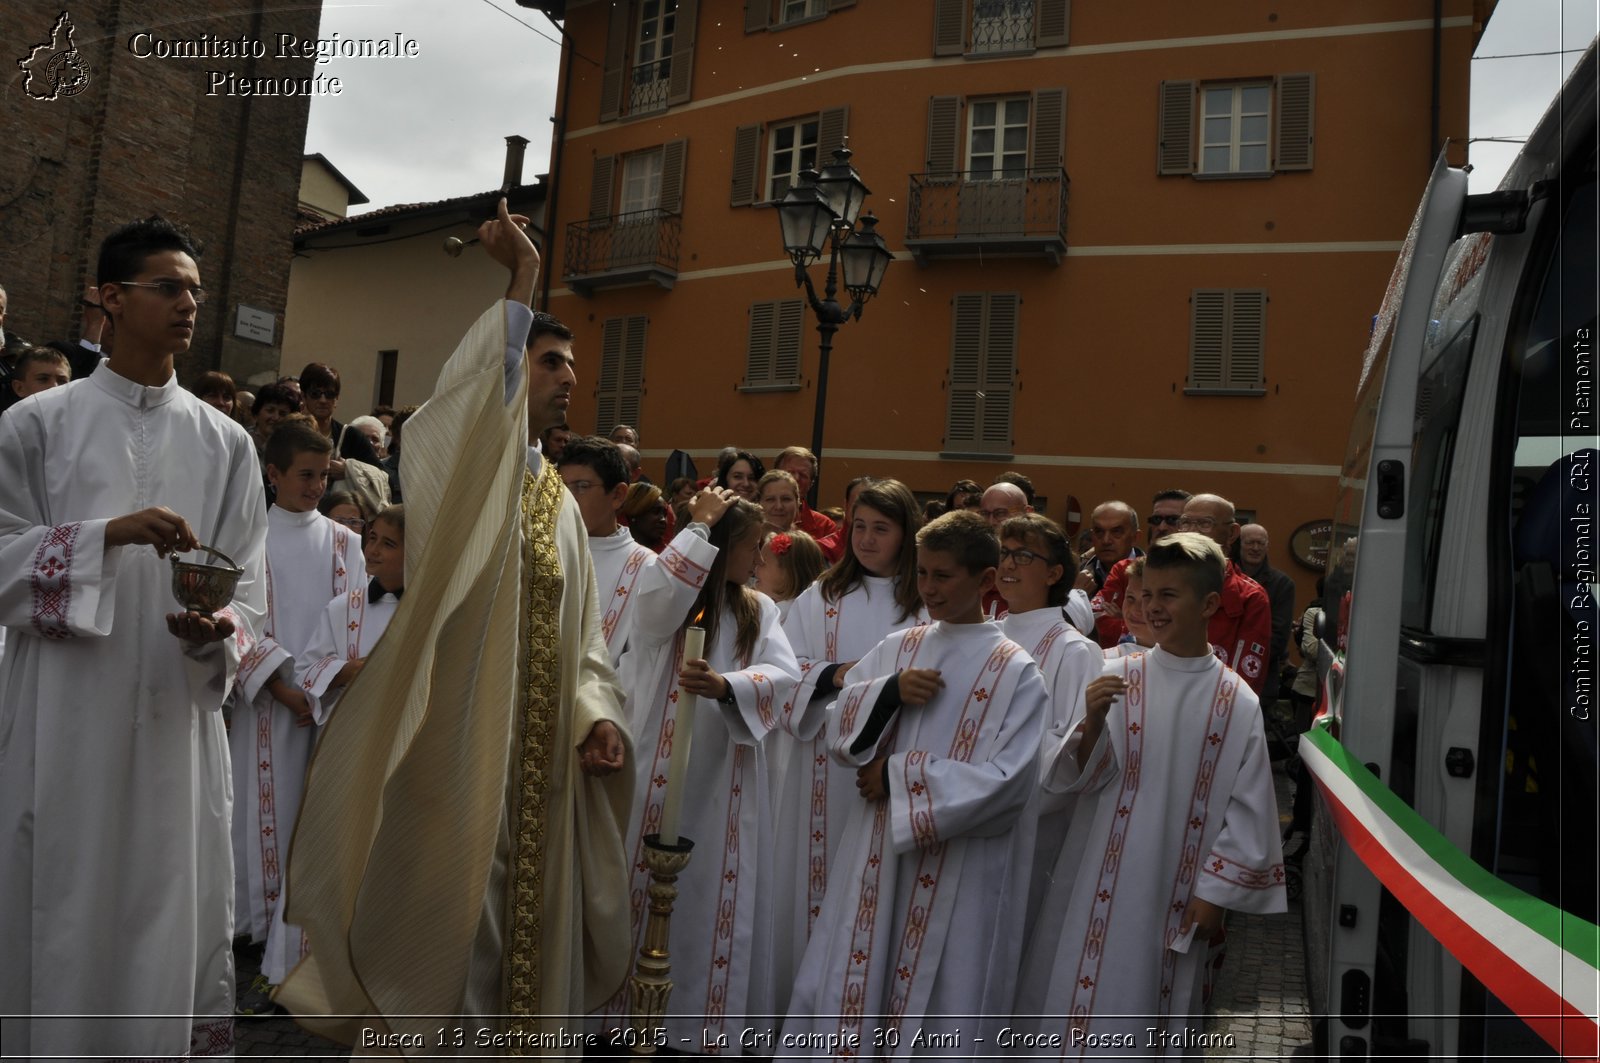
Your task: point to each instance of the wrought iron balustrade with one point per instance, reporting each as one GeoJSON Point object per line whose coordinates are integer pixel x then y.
{"type": "Point", "coordinates": [1002, 26]}
{"type": "Point", "coordinates": [955, 213]}
{"type": "Point", "coordinates": [648, 86]}
{"type": "Point", "coordinates": [630, 248]}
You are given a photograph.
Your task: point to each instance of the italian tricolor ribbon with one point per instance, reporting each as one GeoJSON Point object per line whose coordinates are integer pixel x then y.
{"type": "Point", "coordinates": [1541, 962]}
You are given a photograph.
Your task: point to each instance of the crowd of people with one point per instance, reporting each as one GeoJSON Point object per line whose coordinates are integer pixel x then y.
{"type": "Point", "coordinates": [951, 773]}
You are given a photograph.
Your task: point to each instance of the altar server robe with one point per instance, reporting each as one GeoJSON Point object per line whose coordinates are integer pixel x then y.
{"type": "Point", "coordinates": [351, 626]}
{"type": "Point", "coordinates": [921, 926]}
{"type": "Point", "coordinates": [721, 925]}
{"type": "Point", "coordinates": [116, 893]}
{"type": "Point", "coordinates": [309, 560]}
{"type": "Point", "coordinates": [815, 793]}
{"type": "Point", "coordinates": [618, 560]}
{"type": "Point", "coordinates": [1182, 806]}
{"type": "Point", "coordinates": [1068, 660]}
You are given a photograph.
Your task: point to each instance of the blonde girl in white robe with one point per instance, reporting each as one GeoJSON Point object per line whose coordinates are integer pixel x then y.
{"type": "Point", "coordinates": [721, 925]}
{"type": "Point", "coordinates": [869, 593]}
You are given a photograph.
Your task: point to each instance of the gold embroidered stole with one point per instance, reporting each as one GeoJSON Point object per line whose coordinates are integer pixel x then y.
{"type": "Point", "coordinates": [540, 701]}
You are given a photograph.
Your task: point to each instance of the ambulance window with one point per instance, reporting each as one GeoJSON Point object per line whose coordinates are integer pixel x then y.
{"type": "Point", "coordinates": [1547, 812]}
{"type": "Point", "coordinates": [1446, 355]}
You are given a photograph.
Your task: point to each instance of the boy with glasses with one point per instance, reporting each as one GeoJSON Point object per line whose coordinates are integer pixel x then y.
{"type": "Point", "coordinates": [593, 470]}
{"type": "Point", "coordinates": [115, 796]}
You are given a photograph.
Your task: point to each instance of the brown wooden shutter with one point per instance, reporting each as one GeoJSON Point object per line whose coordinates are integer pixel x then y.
{"type": "Point", "coordinates": [1208, 327]}
{"type": "Point", "coordinates": [1047, 155]}
{"type": "Point", "coordinates": [631, 376]}
{"type": "Point", "coordinates": [788, 331]}
{"type": "Point", "coordinates": [1175, 128]}
{"type": "Point", "coordinates": [606, 390]}
{"type": "Point", "coordinates": [746, 147]}
{"type": "Point", "coordinates": [682, 53]}
{"type": "Point", "coordinates": [1050, 23]}
{"type": "Point", "coordinates": [759, 351]}
{"type": "Point", "coordinates": [672, 154]}
{"type": "Point", "coordinates": [1296, 99]}
{"type": "Point", "coordinates": [949, 27]}
{"type": "Point", "coordinates": [605, 168]}
{"type": "Point", "coordinates": [1247, 322]}
{"type": "Point", "coordinates": [999, 368]}
{"type": "Point", "coordinates": [832, 127]}
{"type": "Point", "coordinates": [944, 126]}
{"type": "Point", "coordinates": [757, 13]}
{"type": "Point", "coordinates": [616, 66]}
{"type": "Point", "coordinates": [966, 369]}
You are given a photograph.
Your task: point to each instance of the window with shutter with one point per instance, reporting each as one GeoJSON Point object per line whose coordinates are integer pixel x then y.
{"type": "Point", "coordinates": [791, 149]}
{"type": "Point", "coordinates": [772, 360]}
{"type": "Point", "coordinates": [620, 388]}
{"type": "Point", "coordinates": [1245, 128]}
{"type": "Point", "coordinates": [983, 350]}
{"type": "Point", "coordinates": [649, 58]}
{"type": "Point", "coordinates": [1227, 339]}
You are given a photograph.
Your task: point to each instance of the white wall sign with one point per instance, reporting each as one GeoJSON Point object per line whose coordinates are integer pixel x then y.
{"type": "Point", "coordinates": [253, 324]}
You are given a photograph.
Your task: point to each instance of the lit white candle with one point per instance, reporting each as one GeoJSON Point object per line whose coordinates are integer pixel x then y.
{"type": "Point", "coordinates": [694, 648]}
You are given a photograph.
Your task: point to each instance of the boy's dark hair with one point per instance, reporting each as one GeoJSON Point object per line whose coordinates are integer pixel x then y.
{"type": "Point", "coordinates": [39, 354]}
{"type": "Point", "coordinates": [895, 501]}
{"type": "Point", "coordinates": [395, 515]}
{"type": "Point", "coordinates": [291, 439]}
{"type": "Point", "coordinates": [757, 470]}
{"type": "Point", "coordinates": [548, 325]}
{"type": "Point", "coordinates": [319, 375]}
{"type": "Point", "coordinates": [601, 455]}
{"type": "Point", "coordinates": [383, 409]}
{"type": "Point", "coordinates": [275, 394]}
{"type": "Point", "coordinates": [1017, 480]}
{"type": "Point", "coordinates": [964, 535]}
{"type": "Point", "coordinates": [1047, 539]}
{"type": "Point", "coordinates": [1196, 555]}
{"type": "Point", "coordinates": [123, 252]}
{"type": "Point", "coordinates": [1171, 494]}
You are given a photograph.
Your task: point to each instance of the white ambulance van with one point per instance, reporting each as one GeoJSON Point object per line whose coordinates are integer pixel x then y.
{"type": "Point", "coordinates": [1450, 884]}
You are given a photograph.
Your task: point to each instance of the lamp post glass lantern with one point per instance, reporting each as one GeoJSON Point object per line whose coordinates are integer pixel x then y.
{"type": "Point", "coordinates": [822, 212]}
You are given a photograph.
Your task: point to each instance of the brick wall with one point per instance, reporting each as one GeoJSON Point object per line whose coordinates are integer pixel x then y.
{"type": "Point", "coordinates": [143, 137]}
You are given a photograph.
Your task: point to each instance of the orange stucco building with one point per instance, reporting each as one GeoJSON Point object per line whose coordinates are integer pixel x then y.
{"type": "Point", "coordinates": [1137, 246]}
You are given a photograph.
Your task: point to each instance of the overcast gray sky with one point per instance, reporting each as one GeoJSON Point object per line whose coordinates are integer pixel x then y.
{"type": "Point", "coordinates": [432, 127]}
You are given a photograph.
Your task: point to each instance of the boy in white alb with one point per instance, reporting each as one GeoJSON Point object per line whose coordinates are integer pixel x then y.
{"type": "Point", "coordinates": [921, 925]}
{"type": "Point", "coordinates": [1184, 826]}
{"type": "Point", "coordinates": [593, 470]}
{"type": "Point", "coordinates": [353, 622]}
{"type": "Point", "coordinates": [310, 559]}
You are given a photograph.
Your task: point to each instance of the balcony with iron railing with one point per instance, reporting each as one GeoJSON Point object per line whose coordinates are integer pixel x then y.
{"type": "Point", "coordinates": [649, 85]}
{"type": "Point", "coordinates": [640, 247]}
{"type": "Point", "coordinates": [960, 215]}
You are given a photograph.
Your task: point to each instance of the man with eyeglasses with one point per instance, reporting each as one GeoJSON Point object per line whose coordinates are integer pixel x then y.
{"type": "Point", "coordinates": [1252, 561]}
{"type": "Point", "coordinates": [116, 869]}
{"type": "Point", "coordinates": [594, 471]}
{"type": "Point", "coordinates": [1000, 502]}
{"type": "Point", "coordinates": [1241, 628]}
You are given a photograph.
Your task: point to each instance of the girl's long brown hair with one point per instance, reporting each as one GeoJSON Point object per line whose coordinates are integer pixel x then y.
{"type": "Point", "coordinates": [743, 519]}
{"type": "Point", "coordinates": [894, 500]}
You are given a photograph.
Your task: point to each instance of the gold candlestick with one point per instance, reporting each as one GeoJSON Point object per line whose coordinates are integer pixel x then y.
{"type": "Point", "coordinates": [650, 984]}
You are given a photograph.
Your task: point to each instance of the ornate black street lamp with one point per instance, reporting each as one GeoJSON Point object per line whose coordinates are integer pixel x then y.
{"type": "Point", "coordinates": [823, 211]}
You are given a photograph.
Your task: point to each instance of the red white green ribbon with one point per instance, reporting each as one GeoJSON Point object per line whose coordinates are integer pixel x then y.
{"type": "Point", "coordinates": [1543, 963]}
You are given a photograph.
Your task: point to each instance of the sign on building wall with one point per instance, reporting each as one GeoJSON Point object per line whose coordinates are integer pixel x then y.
{"type": "Point", "coordinates": [253, 324]}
